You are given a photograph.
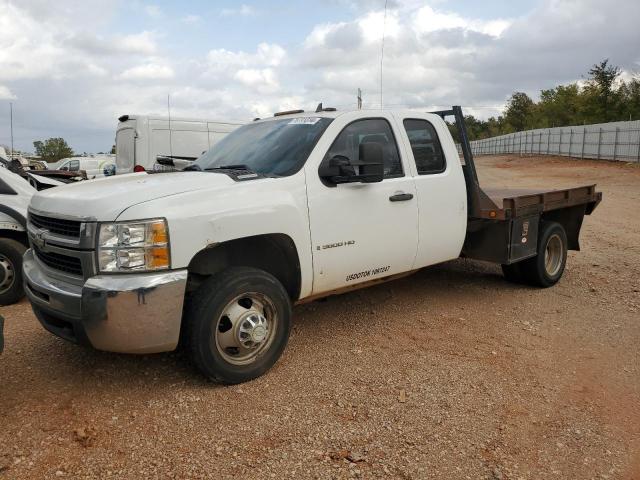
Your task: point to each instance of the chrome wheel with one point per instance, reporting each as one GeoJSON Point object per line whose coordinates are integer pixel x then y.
{"type": "Point", "coordinates": [553, 255]}
{"type": "Point", "coordinates": [7, 274]}
{"type": "Point", "coordinates": [246, 328]}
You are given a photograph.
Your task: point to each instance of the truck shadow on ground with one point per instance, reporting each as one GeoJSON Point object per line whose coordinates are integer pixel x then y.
{"type": "Point", "coordinates": [458, 282]}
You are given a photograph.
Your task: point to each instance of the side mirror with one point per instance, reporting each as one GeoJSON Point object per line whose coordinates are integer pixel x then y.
{"type": "Point", "coordinates": [336, 169]}
{"type": "Point", "coordinates": [371, 163]}
{"type": "Point", "coordinates": [368, 168]}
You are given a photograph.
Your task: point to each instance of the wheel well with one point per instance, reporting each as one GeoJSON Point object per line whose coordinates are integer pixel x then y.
{"type": "Point", "coordinates": [15, 235]}
{"type": "Point", "coordinates": [571, 220]}
{"type": "Point", "coordinates": [273, 253]}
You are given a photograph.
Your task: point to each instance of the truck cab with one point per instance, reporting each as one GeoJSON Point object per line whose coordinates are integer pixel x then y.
{"type": "Point", "coordinates": [281, 211]}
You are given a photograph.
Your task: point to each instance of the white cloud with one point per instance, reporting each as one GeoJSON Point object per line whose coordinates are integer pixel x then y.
{"type": "Point", "coordinates": [263, 79]}
{"type": "Point", "coordinates": [153, 11]}
{"type": "Point", "coordinates": [429, 20]}
{"type": "Point", "coordinates": [61, 58]}
{"type": "Point", "coordinates": [190, 19]}
{"type": "Point", "coordinates": [269, 55]}
{"type": "Point", "coordinates": [143, 43]}
{"type": "Point", "coordinates": [149, 71]}
{"type": "Point", "coordinates": [5, 93]}
{"type": "Point", "coordinates": [242, 10]}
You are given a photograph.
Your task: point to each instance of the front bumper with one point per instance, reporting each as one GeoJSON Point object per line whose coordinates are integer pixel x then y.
{"type": "Point", "coordinates": [127, 313]}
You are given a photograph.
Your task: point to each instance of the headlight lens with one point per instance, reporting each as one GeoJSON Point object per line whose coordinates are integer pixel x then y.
{"type": "Point", "coordinates": [134, 246]}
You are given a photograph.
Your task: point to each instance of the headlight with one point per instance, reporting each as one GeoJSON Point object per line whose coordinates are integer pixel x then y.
{"type": "Point", "coordinates": [134, 246]}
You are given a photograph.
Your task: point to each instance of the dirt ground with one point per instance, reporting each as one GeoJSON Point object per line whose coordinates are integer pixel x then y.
{"type": "Point", "coordinates": [449, 373]}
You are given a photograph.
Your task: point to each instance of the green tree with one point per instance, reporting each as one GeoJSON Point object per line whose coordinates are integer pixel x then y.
{"type": "Point", "coordinates": [559, 106]}
{"type": "Point", "coordinates": [519, 112]}
{"type": "Point", "coordinates": [630, 99]}
{"type": "Point", "coordinates": [53, 149]}
{"type": "Point", "coordinates": [603, 101]}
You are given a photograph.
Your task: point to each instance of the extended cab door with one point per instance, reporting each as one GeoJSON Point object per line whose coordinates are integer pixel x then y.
{"type": "Point", "coordinates": [440, 186]}
{"type": "Point", "coordinates": [361, 231]}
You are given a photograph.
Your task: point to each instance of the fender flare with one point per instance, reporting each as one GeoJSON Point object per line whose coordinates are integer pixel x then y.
{"type": "Point", "coordinates": [18, 217]}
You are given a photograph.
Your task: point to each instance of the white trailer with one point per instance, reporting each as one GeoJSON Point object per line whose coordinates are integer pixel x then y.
{"type": "Point", "coordinates": [141, 139]}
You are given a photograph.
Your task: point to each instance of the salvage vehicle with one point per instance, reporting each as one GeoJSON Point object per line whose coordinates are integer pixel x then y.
{"type": "Point", "coordinates": [141, 139]}
{"type": "Point", "coordinates": [92, 166]}
{"type": "Point", "coordinates": [15, 195]}
{"type": "Point", "coordinates": [281, 211]}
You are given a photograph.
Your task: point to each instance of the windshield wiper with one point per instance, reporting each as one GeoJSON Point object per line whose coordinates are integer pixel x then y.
{"type": "Point", "coordinates": [192, 168]}
{"type": "Point", "coordinates": [245, 171]}
{"type": "Point", "coordinates": [230, 167]}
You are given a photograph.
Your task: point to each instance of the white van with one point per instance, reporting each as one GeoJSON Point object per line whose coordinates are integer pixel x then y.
{"type": "Point", "coordinates": [141, 139]}
{"type": "Point", "coordinates": [95, 166]}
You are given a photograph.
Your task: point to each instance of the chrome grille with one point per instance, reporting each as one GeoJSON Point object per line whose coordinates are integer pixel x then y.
{"type": "Point", "coordinates": [57, 261]}
{"type": "Point", "coordinates": [58, 226]}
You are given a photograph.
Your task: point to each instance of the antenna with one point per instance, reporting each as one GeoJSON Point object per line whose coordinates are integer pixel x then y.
{"type": "Point", "coordinates": [11, 121]}
{"type": "Point", "coordinates": [384, 24]}
{"type": "Point", "coordinates": [359, 99]}
{"type": "Point", "coordinates": [169, 110]}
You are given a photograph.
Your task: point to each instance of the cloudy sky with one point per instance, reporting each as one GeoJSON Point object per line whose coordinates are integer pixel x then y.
{"type": "Point", "coordinates": [71, 67]}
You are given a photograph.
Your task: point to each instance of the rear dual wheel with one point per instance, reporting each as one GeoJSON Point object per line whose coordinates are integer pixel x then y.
{"type": "Point", "coordinates": [237, 324]}
{"type": "Point", "coordinates": [546, 268]}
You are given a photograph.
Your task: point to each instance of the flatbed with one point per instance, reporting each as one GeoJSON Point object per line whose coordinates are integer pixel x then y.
{"type": "Point", "coordinates": [516, 203]}
{"type": "Point", "coordinates": [503, 223]}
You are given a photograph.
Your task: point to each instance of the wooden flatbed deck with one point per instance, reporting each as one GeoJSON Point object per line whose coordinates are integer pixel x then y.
{"type": "Point", "coordinates": [504, 203]}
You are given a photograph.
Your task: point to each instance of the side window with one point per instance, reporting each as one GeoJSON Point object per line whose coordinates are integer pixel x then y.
{"type": "Point", "coordinates": [74, 165]}
{"type": "Point", "coordinates": [374, 130]}
{"type": "Point", "coordinates": [426, 147]}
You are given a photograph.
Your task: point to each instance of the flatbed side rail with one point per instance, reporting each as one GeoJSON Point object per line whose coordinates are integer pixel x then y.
{"type": "Point", "coordinates": [516, 205]}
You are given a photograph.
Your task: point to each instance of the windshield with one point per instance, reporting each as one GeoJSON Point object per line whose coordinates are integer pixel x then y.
{"type": "Point", "coordinates": [276, 147]}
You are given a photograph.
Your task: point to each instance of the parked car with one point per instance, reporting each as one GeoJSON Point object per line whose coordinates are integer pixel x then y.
{"type": "Point", "coordinates": [281, 211]}
{"type": "Point", "coordinates": [15, 195]}
{"type": "Point", "coordinates": [141, 139]}
{"type": "Point", "coordinates": [94, 166]}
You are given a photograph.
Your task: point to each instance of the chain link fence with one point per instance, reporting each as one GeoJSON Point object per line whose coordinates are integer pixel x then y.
{"type": "Point", "coordinates": [609, 141]}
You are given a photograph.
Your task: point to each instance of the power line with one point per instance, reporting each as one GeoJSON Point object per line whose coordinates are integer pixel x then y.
{"type": "Point", "coordinates": [11, 115]}
{"type": "Point", "coordinates": [384, 24]}
{"type": "Point", "coordinates": [169, 112]}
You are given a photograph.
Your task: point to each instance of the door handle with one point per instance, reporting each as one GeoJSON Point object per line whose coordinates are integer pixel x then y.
{"type": "Point", "coordinates": [401, 197]}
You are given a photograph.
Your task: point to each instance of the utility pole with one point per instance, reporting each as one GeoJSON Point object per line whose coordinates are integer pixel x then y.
{"type": "Point", "coordinates": [384, 24]}
{"type": "Point", "coordinates": [11, 121]}
{"type": "Point", "coordinates": [359, 99]}
{"type": "Point", "coordinates": [169, 112]}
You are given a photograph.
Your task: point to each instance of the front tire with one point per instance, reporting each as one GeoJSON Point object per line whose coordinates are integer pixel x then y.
{"type": "Point", "coordinates": [11, 289]}
{"type": "Point", "coordinates": [237, 325]}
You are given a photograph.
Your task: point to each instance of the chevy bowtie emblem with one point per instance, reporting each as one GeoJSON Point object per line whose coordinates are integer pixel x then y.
{"type": "Point", "coordinates": [39, 238]}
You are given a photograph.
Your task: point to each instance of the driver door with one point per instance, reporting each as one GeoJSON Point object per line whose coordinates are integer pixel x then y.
{"type": "Point", "coordinates": [362, 231]}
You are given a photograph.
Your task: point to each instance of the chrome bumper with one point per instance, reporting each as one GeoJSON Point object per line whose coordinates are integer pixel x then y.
{"type": "Point", "coordinates": [132, 313]}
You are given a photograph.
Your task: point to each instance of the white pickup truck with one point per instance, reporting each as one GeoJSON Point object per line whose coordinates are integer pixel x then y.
{"type": "Point", "coordinates": [280, 211]}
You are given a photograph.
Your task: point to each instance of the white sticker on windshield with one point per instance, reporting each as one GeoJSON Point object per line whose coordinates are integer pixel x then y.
{"type": "Point", "coordinates": [304, 121]}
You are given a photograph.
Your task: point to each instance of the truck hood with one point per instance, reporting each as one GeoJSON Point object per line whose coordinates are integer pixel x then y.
{"type": "Point", "coordinates": [105, 198]}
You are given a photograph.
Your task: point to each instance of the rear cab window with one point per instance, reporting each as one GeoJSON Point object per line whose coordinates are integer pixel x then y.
{"type": "Point", "coordinates": [425, 145]}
